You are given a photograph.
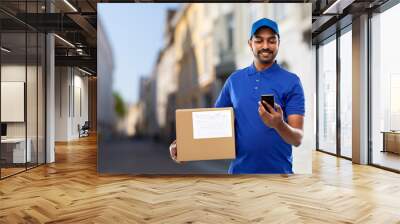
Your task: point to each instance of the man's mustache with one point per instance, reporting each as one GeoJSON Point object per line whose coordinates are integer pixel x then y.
{"type": "Point", "coordinates": [264, 51]}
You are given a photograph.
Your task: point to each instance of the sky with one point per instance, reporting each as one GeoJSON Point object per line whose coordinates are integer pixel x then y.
{"type": "Point", "coordinates": [135, 32]}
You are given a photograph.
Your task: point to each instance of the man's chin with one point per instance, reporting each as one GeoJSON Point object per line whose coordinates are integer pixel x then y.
{"type": "Point", "coordinates": [266, 62]}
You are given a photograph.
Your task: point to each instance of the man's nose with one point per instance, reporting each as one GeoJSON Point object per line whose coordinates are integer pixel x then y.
{"type": "Point", "coordinates": [265, 44]}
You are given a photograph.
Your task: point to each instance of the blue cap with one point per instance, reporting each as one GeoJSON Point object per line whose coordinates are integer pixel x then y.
{"type": "Point", "coordinates": [264, 22]}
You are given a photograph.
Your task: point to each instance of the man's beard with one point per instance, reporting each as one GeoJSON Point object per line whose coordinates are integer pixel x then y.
{"type": "Point", "coordinates": [268, 59]}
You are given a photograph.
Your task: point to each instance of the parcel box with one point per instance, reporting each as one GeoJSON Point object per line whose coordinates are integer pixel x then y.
{"type": "Point", "coordinates": [205, 134]}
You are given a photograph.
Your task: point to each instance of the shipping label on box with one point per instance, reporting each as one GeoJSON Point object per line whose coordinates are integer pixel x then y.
{"type": "Point", "coordinates": [205, 134]}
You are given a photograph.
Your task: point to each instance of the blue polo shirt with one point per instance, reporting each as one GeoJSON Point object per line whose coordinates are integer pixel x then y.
{"type": "Point", "coordinates": [259, 148]}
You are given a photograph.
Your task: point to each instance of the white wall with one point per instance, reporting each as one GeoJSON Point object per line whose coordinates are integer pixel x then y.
{"type": "Point", "coordinates": [12, 100]}
{"type": "Point", "coordinates": [13, 73]}
{"type": "Point", "coordinates": [71, 87]}
{"type": "Point", "coordinates": [79, 117]}
{"type": "Point", "coordinates": [33, 125]}
{"type": "Point", "coordinates": [61, 103]}
{"type": "Point", "coordinates": [16, 73]}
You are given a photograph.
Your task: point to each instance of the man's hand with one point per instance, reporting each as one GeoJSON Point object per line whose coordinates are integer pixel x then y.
{"type": "Point", "coordinates": [291, 132]}
{"type": "Point", "coordinates": [173, 149]}
{"type": "Point", "coordinates": [274, 118]}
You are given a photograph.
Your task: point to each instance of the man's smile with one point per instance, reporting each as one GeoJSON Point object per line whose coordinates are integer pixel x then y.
{"type": "Point", "coordinates": [265, 54]}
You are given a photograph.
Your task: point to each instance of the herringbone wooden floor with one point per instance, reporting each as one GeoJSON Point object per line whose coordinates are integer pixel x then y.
{"type": "Point", "coordinates": [70, 191]}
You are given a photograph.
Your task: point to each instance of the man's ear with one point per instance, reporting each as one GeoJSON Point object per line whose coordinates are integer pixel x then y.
{"type": "Point", "coordinates": [249, 42]}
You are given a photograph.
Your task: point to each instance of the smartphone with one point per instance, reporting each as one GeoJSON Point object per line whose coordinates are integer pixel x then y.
{"type": "Point", "coordinates": [268, 98]}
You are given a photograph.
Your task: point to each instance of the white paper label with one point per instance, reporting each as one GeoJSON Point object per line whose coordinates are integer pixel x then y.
{"type": "Point", "coordinates": [212, 124]}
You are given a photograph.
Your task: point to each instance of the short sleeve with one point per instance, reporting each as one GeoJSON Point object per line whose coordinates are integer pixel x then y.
{"type": "Point", "coordinates": [224, 98]}
{"type": "Point", "coordinates": [295, 100]}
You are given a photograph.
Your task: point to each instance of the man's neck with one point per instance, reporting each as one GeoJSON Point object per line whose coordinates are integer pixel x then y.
{"type": "Point", "coordinates": [261, 66]}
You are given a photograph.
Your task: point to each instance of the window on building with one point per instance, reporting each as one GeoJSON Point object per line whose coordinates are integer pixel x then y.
{"type": "Point", "coordinates": [327, 96]}
{"type": "Point", "coordinates": [346, 93]}
{"type": "Point", "coordinates": [385, 87]}
{"type": "Point", "coordinates": [230, 23]}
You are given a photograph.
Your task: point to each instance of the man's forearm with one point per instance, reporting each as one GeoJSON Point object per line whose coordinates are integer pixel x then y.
{"type": "Point", "coordinates": [289, 134]}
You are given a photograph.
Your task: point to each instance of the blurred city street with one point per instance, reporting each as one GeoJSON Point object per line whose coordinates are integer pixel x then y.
{"type": "Point", "coordinates": [133, 156]}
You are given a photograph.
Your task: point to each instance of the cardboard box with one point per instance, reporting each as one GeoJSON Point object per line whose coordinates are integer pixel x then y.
{"type": "Point", "coordinates": [205, 134]}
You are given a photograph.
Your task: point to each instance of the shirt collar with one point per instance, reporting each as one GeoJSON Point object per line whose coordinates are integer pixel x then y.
{"type": "Point", "coordinates": [253, 69]}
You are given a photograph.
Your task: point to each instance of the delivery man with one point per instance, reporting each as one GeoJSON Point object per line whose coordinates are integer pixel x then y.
{"type": "Point", "coordinates": [263, 139]}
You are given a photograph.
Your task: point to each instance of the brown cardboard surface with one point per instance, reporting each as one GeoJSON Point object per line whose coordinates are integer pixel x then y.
{"type": "Point", "coordinates": [190, 149]}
